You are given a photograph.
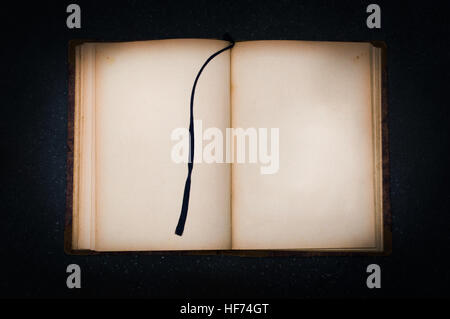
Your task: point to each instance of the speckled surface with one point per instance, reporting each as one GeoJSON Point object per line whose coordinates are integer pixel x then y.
{"type": "Point", "coordinates": [33, 137]}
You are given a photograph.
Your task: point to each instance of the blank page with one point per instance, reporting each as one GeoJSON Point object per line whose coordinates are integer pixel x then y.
{"type": "Point", "coordinates": [142, 93]}
{"type": "Point", "coordinates": [319, 95]}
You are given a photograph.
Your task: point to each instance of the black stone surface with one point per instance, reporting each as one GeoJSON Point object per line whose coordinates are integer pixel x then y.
{"type": "Point", "coordinates": [33, 79]}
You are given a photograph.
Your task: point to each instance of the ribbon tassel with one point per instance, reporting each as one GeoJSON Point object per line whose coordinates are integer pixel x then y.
{"type": "Point", "coordinates": [187, 187]}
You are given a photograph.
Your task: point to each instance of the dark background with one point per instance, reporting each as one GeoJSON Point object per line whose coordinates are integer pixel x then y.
{"type": "Point", "coordinates": [33, 79]}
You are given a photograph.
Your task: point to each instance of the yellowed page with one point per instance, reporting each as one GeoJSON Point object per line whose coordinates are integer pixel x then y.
{"type": "Point", "coordinates": [84, 148]}
{"type": "Point", "coordinates": [142, 93]}
{"type": "Point", "coordinates": [319, 96]}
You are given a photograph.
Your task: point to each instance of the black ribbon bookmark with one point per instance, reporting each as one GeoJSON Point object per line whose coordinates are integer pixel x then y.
{"type": "Point", "coordinates": [187, 187]}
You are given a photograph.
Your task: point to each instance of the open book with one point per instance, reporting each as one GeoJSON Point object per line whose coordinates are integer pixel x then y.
{"type": "Point", "coordinates": [318, 188]}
